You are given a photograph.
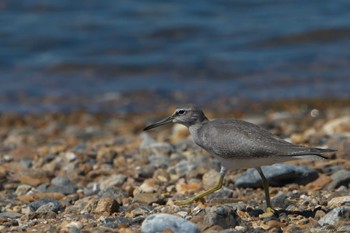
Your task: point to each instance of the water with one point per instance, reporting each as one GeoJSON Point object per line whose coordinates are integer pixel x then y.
{"type": "Point", "coordinates": [130, 55]}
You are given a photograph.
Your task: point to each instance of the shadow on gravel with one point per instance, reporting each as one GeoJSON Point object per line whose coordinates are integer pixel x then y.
{"type": "Point", "coordinates": [305, 213]}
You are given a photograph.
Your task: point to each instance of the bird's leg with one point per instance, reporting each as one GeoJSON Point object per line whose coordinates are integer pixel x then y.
{"type": "Point", "coordinates": [207, 192]}
{"type": "Point", "coordinates": [269, 210]}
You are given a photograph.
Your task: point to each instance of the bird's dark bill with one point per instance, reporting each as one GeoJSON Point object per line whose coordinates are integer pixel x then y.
{"type": "Point", "coordinates": [159, 123]}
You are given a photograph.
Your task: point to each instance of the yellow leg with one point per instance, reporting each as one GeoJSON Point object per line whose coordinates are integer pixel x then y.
{"type": "Point", "coordinates": [207, 192]}
{"type": "Point", "coordinates": [269, 210]}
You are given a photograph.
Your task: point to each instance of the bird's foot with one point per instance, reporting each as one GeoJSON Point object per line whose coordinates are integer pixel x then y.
{"type": "Point", "coordinates": [269, 212]}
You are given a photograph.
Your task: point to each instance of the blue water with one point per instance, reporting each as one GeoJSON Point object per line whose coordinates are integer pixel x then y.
{"type": "Point", "coordinates": [59, 55]}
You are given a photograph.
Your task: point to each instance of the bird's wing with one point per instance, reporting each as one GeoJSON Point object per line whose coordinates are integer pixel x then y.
{"type": "Point", "coordinates": [227, 138]}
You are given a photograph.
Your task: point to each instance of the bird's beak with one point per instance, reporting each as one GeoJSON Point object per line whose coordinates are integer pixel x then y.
{"type": "Point", "coordinates": [165, 121]}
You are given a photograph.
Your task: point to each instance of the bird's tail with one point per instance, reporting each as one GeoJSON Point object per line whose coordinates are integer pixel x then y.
{"type": "Point", "coordinates": [313, 153]}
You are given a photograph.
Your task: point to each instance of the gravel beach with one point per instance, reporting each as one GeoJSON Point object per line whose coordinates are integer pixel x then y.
{"type": "Point", "coordinates": [82, 172]}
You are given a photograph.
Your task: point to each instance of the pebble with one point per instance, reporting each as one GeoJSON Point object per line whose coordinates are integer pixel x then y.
{"type": "Point", "coordinates": [224, 216]}
{"type": "Point", "coordinates": [116, 183]}
{"type": "Point", "coordinates": [222, 193]}
{"type": "Point", "coordinates": [159, 160]}
{"type": "Point", "coordinates": [108, 205]}
{"type": "Point", "coordinates": [160, 222]}
{"type": "Point", "coordinates": [115, 223]}
{"type": "Point", "coordinates": [338, 125]}
{"type": "Point", "coordinates": [281, 200]}
{"type": "Point", "coordinates": [341, 213]}
{"type": "Point", "coordinates": [112, 181]}
{"type": "Point", "coordinates": [10, 215]}
{"type": "Point", "coordinates": [146, 198]}
{"type": "Point", "coordinates": [210, 179]}
{"type": "Point", "coordinates": [159, 149]}
{"type": "Point", "coordinates": [55, 207]}
{"type": "Point", "coordinates": [339, 201]}
{"type": "Point", "coordinates": [339, 178]}
{"type": "Point", "coordinates": [277, 175]}
{"type": "Point", "coordinates": [49, 207]}
{"type": "Point", "coordinates": [319, 183]}
{"type": "Point", "coordinates": [22, 189]}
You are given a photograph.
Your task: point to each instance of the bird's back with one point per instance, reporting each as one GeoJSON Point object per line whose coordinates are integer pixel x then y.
{"type": "Point", "coordinates": [240, 139]}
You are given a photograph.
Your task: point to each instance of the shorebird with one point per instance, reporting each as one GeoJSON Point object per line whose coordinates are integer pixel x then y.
{"type": "Point", "coordinates": [238, 144]}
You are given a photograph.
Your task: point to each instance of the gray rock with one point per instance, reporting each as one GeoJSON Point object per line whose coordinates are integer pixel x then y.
{"type": "Point", "coordinates": [115, 222]}
{"type": "Point", "coordinates": [22, 189]}
{"type": "Point", "coordinates": [37, 204]}
{"type": "Point", "coordinates": [113, 192]}
{"type": "Point", "coordinates": [114, 180]}
{"type": "Point", "coordinates": [26, 163]}
{"type": "Point", "coordinates": [145, 172]}
{"type": "Point", "coordinates": [147, 141]}
{"type": "Point", "coordinates": [341, 213]}
{"type": "Point", "coordinates": [159, 161]}
{"type": "Point", "coordinates": [62, 184]}
{"type": "Point", "coordinates": [159, 222]}
{"type": "Point", "coordinates": [277, 175]}
{"type": "Point", "coordinates": [281, 200]}
{"type": "Point", "coordinates": [48, 207]}
{"type": "Point", "coordinates": [181, 168]}
{"type": "Point", "coordinates": [222, 193]}
{"type": "Point", "coordinates": [162, 148]}
{"type": "Point", "coordinates": [341, 177]}
{"type": "Point", "coordinates": [10, 215]}
{"type": "Point", "coordinates": [224, 216]}
{"type": "Point", "coordinates": [60, 181]}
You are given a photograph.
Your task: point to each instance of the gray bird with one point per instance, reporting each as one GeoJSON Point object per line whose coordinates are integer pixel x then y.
{"type": "Point", "coordinates": [237, 145]}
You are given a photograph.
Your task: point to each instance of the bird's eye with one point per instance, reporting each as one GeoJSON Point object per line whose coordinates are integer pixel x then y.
{"type": "Point", "coordinates": [181, 112]}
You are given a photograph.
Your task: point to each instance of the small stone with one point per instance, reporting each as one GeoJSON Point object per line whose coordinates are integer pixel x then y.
{"type": "Point", "coordinates": [159, 161]}
{"type": "Point", "coordinates": [48, 207]}
{"type": "Point", "coordinates": [55, 207]}
{"type": "Point", "coordinates": [160, 222]}
{"type": "Point", "coordinates": [10, 215]}
{"type": "Point", "coordinates": [277, 175]}
{"type": "Point", "coordinates": [60, 181]}
{"type": "Point", "coordinates": [32, 180]}
{"type": "Point", "coordinates": [319, 183]}
{"type": "Point", "coordinates": [147, 141]}
{"type": "Point", "coordinates": [210, 179]}
{"type": "Point", "coordinates": [222, 193]}
{"type": "Point", "coordinates": [223, 216]}
{"type": "Point", "coordinates": [344, 228]}
{"type": "Point", "coordinates": [341, 213]}
{"type": "Point", "coordinates": [191, 187]}
{"type": "Point", "coordinates": [70, 156]}
{"type": "Point", "coordinates": [338, 125]}
{"type": "Point", "coordinates": [37, 196]}
{"type": "Point", "coordinates": [339, 201]}
{"type": "Point", "coordinates": [26, 163]}
{"type": "Point", "coordinates": [281, 200]}
{"type": "Point", "coordinates": [108, 205]}
{"type": "Point", "coordinates": [115, 222]}
{"type": "Point", "coordinates": [114, 180]}
{"type": "Point", "coordinates": [148, 186]}
{"type": "Point", "coordinates": [22, 189]}
{"type": "Point", "coordinates": [179, 132]}
{"type": "Point", "coordinates": [275, 224]}
{"type": "Point", "coordinates": [114, 193]}
{"type": "Point", "coordinates": [158, 148]}
{"type": "Point", "coordinates": [147, 198]}
{"type": "Point", "coordinates": [341, 177]}
{"type": "Point", "coordinates": [71, 227]}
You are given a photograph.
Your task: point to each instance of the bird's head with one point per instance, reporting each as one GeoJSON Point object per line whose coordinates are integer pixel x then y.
{"type": "Point", "coordinates": [186, 116]}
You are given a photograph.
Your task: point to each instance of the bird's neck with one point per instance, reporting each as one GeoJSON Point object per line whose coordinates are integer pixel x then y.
{"type": "Point", "coordinates": [196, 126]}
